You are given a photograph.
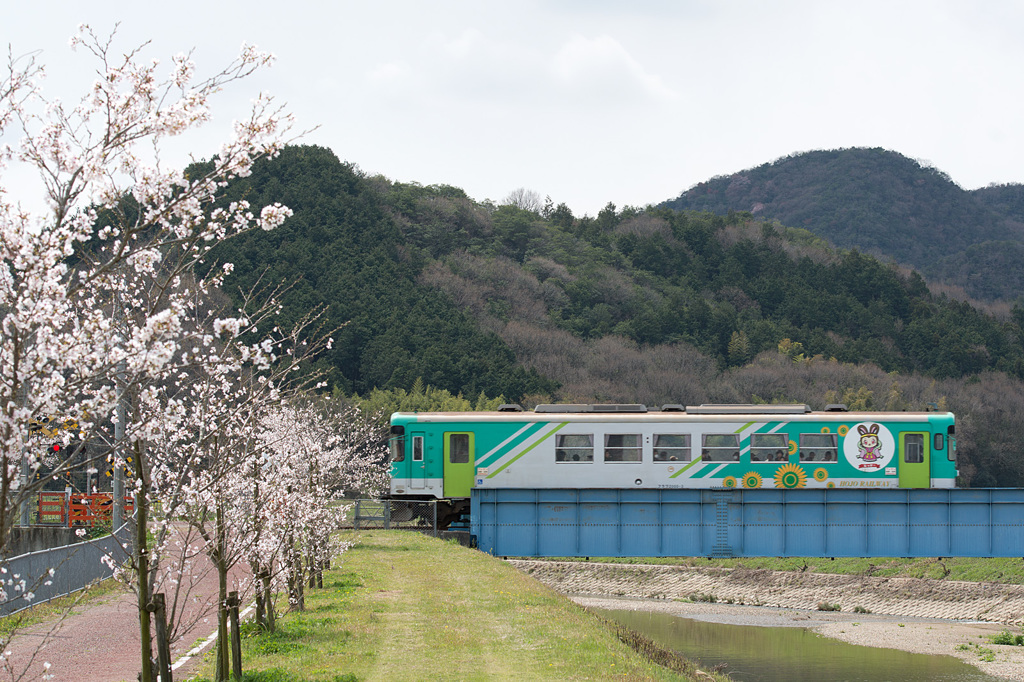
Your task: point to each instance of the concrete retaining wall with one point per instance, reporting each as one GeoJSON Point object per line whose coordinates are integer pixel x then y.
{"type": "Point", "coordinates": [37, 538]}
{"type": "Point", "coordinates": [952, 599]}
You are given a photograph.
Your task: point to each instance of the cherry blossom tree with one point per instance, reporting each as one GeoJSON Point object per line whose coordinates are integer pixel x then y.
{"type": "Point", "coordinates": [318, 449]}
{"type": "Point", "coordinates": [99, 301]}
{"type": "Point", "coordinates": [207, 482]}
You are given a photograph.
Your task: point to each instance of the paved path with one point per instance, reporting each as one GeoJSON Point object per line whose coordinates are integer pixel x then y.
{"type": "Point", "coordinates": [99, 642]}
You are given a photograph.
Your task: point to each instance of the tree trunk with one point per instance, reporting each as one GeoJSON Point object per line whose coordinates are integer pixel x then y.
{"type": "Point", "coordinates": [142, 561]}
{"type": "Point", "coordinates": [296, 597]}
{"type": "Point", "coordinates": [271, 617]}
{"type": "Point", "coordinates": [311, 566]}
{"type": "Point", "coordinates": [261, 595]}
{"type": "Point", "coordinates": [223, 643]}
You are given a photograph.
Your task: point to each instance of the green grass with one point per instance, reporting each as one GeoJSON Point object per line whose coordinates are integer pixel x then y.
{"type": "Point", "coordinates": [1003, 570]}
{"type": "Point", "coordinates": [401, 606]}
{"type": "Point", "coordinates": [1008, 638]}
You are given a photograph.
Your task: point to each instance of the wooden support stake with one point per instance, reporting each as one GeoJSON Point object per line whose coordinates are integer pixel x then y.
{"type": "Point", "coordinates": [236, 637]}
{"type": "Point", "coordinates": [163, 647]}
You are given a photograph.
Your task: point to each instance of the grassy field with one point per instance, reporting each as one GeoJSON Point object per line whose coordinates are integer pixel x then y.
{"type": "Point", "coordinates": [1002, 570]}
{"type": "Point", "coordinates": [401, 606]}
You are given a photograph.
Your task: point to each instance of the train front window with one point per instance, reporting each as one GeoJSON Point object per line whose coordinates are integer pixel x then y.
{"type": "Point", "coordinates": [720, 447]}
{"type": "Point", "coordinates": [397, 444]}
{"type": "Point", "coordinates": [913, 448]}
{"type": "Point", "coordinates": [458, 448]}
{"type": "Point", "coordinates": [622, 447]}
{"type": "Point", "coordinates": [769, 447]}
{"type": "Point", "coordinates": [671, 447]}
{"type": "Point", "coordinates": [818, 447]}
{"type": "Point", "coordinates": [574, 447]}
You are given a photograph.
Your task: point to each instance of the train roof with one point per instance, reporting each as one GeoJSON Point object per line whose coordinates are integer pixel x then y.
{"type": "Point", "coordinates": [706, 412]}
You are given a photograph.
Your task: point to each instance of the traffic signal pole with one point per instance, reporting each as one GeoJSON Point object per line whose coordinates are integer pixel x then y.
{"type": "Point", "coordinates": [24, 520]}
{"type": "Point", "coordinates": [117, 489]}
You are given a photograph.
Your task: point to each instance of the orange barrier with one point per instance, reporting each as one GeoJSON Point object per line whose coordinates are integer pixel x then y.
{"type": "Point", "coordinates": [88, 510]}
{"type": "Point", "coordinates": [52, 508]}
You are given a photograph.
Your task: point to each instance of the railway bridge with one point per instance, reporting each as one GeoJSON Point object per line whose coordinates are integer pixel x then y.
{"type": "Point", "coordinates": [830, 522]}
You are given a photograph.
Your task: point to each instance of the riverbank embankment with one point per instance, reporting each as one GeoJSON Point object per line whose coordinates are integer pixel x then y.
{"type": "Point", "coordinates": [919, 615]}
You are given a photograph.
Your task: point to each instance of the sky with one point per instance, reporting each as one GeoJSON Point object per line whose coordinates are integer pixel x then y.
{"type": "Point", "coordinates": [587, 102]}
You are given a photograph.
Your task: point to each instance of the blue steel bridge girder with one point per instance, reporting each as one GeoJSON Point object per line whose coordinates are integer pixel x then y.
{"type": "Point", "coordinates": [985, 522]}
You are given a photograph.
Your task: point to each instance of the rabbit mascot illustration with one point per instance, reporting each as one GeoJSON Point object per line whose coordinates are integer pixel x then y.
{"type": "Point", "coordinates": [869, 447]}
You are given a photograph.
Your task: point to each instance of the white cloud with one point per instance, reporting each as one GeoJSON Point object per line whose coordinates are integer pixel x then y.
{"type": "Point", "coordinates": [596, 101]}
{"type": "Point", "coordinates": [389, 72]}
{"type": "Point", "coordinates": [602, 67]}
{"type": "Point", "coordinates": [465, 44]}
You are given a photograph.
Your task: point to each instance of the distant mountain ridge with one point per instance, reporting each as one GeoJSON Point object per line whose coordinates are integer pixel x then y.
{"type": "Point", "coordinates": [888, 205]}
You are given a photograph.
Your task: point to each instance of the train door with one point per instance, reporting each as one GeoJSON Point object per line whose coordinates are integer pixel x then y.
{"type": "Point", "coordinates": [914, 461]}
{"type": "Point", "coordinates": [418, 465]}
{"type": "Point", "coordinates": [458, 464]}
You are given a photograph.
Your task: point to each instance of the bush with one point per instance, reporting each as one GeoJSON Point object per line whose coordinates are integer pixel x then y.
{"type": "Point", "coordinates": [703, 597]}
{"type": "Point", "coordinates": [825, 606]}
{"type": "Point", "coordinates": [1007, 637]}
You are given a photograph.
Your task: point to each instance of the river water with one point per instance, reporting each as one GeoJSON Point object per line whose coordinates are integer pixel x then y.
{"type": "Point", "coordinates": [791, 654]}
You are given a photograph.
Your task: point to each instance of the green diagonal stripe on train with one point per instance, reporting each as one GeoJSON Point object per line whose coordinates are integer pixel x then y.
{"type": "Point", "coordinates": [714, 467]}
{"type": "Point", "coordinates": [538, 442]}
{"type": "Point", "coordinates": [744, 431]}
{"type": "Point", "coordinates": [694, 462]}
{"type": "Point", "coordinates": [510, 443]}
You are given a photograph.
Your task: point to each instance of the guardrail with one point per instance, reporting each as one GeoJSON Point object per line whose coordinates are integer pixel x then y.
{"type": "Point", "coordinates": [38, 577]}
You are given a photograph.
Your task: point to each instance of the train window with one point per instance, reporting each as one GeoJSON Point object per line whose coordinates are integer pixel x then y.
{"type": "Point", "coordinates": [938, 442]}
{"type": "Point", "coordinates": [671, 447]}
{"type": "Point", "coordinates": [769, 447]}
{"type": "Point", "coordinates": [913, 448]}
{"type": "Point", "coordinates": [818, 447]}
{"type": "Point", "coordinates": [951, 449]}
{"type": "Point", "coordinates": [397, 444]}
{"type": "Point", "coordinates": [417, 448]}
{"type": "Point", "coordinates": [574, 447]}
{"type": "Point", "coordinates": [458, 448]}
{"type": "Point", "coordinates": [622, 447]}
{"type": "Point", "coordinates": [720, 447]}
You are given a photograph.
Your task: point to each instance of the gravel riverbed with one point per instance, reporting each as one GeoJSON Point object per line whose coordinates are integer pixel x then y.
{"type": "Point", "coordinates": [916, 615]}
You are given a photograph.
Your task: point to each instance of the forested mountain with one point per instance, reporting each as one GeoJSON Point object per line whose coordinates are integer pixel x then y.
{"type": "Point", "coordinates": [652, 306]}
{"type": "Point", "coordinates": [889, 206]}
{"type": "Point", "coordinates": [343, 250]}
{"type": "Point", "coordinates": [1007, 200]}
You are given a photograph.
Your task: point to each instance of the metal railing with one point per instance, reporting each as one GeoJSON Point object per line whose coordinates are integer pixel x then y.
{"type": "Point", "coordinates": [396, 514]}
{"type": "Point", "coordinates": [38, 577]}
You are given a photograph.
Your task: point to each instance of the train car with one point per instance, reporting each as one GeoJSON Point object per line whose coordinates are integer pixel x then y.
{"type": "Point", "coordinates": [444, 455]}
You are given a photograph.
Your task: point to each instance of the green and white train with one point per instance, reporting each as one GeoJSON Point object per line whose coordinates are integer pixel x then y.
{"type": "Point", "coordinates": [444, 455]}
